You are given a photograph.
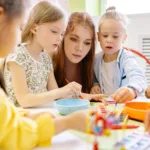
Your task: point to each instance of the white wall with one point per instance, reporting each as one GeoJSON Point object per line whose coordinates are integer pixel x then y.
{"type": "Point", "coordinates": [139, 25]}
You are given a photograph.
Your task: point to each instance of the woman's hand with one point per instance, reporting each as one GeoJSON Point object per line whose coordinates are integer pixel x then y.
{"type": "Point", "coordinates": [95, 97]}
{"type": "Point", "coordinates": [95, 89]}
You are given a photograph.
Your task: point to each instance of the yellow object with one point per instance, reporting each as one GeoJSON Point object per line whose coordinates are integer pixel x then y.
{"type": "Point", "coordinates": [122, 148]}
{"type": "Point", "coordinates": [20, 133]}
{"type": "Point", "coordinates": [107, 132]}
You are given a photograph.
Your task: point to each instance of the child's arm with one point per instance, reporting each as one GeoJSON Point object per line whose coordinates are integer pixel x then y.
{"type": "Point", "coordinates": [18, 132]}
{"type": "Point", "coordinates": [134, 74]}
{"type": "Point", "coordinates": [136, 80]}
{"type": "Point", "coordinates": [27, 99]}
{"type": "Point", "coordinates": [147, 121]}
{"type": "Point", "coordinates": [52, 84]}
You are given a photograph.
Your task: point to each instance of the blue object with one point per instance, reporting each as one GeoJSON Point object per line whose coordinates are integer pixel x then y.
{"type": "Point", "coordinates": [67, 106]}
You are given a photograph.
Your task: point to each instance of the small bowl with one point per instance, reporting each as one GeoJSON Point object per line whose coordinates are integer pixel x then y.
{"type": "Point", "coordinates": [137, 110]}
{"type": "Point", "coordinates": [67, 106]}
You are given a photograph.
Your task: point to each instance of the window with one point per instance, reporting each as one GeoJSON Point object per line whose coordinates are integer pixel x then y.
{"type": "Point", "coordinates": [130, 6]}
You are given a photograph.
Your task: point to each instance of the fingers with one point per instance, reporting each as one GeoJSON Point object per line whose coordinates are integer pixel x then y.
{"type": "Point", "coordinates": [96, 89]}
{"type": "Point", "coordinates": [99, 98]}
{"type": "Point", "coordinates": [123, 94]}
{"type": "Point", "coordinates": [104, 101]}
{"type": "Point", "coordinates": [75, 89]}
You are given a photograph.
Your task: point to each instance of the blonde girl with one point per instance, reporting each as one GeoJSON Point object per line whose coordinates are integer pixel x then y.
{"type": "Point", "coordinates": [28, 72]}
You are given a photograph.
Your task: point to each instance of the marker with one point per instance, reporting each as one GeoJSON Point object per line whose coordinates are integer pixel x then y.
{"type": "Point", "coordinates": [117, 127]}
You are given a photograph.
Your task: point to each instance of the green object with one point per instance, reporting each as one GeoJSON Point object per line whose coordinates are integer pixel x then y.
{"type": "Point", "coordinates": [93, 7]}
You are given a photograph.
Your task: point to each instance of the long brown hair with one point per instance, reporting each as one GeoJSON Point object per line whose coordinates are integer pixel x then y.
{"type": "Point", "coordinates": [84, 19]}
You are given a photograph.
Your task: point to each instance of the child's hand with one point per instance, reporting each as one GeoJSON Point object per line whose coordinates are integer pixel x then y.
{"type": "Point", "coordinates": [72, 89]}
{"type": "Point", "coordinates": [147, 121]}
{"type": "Point", "coordinates": [78, 120]}
{"type": "Point", "coordinates": [95, 89]}
{"type": "Point", "coordinates": [95, 97]}
{"type": "Point", "coordinates": [124, 94]}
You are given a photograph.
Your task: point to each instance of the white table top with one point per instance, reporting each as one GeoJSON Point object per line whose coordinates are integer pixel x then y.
{"type": "Point", "coordinates": [66, 140]}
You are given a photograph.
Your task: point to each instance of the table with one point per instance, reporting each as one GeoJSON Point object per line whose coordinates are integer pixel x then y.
{"type": "Point", "coordinates": [74, 140]}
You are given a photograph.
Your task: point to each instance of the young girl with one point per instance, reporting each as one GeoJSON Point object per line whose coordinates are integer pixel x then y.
{"type": "Point", "coordinates": [19, 132]}
{"type": "Point", "coordinates": [30, 66]}
{"type": "Point", "coordinates": [74, 59]}
{"type": "Point", "coordinates": [115, 68]}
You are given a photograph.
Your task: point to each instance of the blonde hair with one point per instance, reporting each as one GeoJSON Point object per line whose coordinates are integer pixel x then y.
{"type": "Point", "coordinates": [43, 12]}
{"type": "Point", "coordinates": [111, 13]}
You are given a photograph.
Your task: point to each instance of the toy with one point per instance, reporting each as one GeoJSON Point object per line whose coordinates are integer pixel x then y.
{"type": "Point", "coordinates": [103, 121]}
{"type": "Point", "coordinates": [137, 140]}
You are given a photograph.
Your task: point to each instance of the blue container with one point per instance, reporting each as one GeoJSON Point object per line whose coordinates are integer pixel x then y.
{"type": "Point", "coordinates": [67, 106]}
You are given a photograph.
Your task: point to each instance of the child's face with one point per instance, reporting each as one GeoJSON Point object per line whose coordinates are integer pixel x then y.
{"type": "Point", "coordinates": [78, 43]}
{"type": "Point", "coordinates": [49, 35]}
{"type": "Point", "coordinates": [111, 36]}
{"type": "Point", "coordinates": [11, 34]}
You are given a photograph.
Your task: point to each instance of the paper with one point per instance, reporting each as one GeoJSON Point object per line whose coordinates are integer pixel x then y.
{"type": "Point", "coordinates": [67, 141]}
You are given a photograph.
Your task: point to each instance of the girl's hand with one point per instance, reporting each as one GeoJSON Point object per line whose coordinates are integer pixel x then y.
{"type": "Point", "coordinates": [95, 89]}
{"type": "Point", "coordinates": [72, 89]}
{"type": "Point", "coordinates": [78, 120]}
{"type": "Point", "coordinates": [124, 94]}
{"type": "Point", "coordinates": [147, 121]}
{"type": "Point", "coordinates": [95, 97]}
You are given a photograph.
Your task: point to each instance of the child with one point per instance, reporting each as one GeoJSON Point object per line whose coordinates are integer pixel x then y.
{"type": "Point", "coordinates": [19, 132]}
{"type": "Point", "coordinates": [115, 68]}
{"type": "Point", "coordinates": [75, 57]}
{"type": "Point", "coordinates": [30, 66]}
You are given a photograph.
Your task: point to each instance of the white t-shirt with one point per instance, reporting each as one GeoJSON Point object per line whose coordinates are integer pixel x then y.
{"type": "Point", "coordinates": [107, 77]}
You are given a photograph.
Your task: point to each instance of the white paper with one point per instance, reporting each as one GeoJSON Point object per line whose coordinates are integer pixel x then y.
{"type": "Point", "coordinates": [67, 141]}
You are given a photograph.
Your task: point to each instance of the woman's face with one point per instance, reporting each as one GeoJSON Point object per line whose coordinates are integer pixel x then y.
{"type": "Point", "coordinates": [78, 43]}
{"type": "Point", "coordinates": [10, 33]}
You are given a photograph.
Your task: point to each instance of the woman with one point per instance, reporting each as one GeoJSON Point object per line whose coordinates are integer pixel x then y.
{"type": "Point", "coordinates": [73, 61]}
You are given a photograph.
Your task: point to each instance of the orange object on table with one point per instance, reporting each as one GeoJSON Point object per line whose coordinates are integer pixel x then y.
{"type": "Point", "coordinates": [137, 110]}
